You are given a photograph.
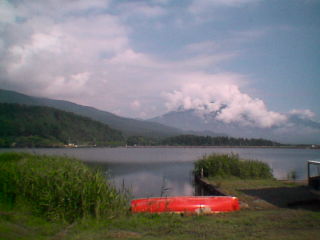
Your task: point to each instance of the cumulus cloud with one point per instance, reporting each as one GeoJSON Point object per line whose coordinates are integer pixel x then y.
{"type": "Point", "coordinates": [135, 104]}
{"type": "Point", "coordinates": [303, 113]}
{"type": "Point", "coordinates": [226, 99]}
{"type": "Point", "coordinates": [58, 57]}
{"type": "Point", "coordinates": [82, 51]}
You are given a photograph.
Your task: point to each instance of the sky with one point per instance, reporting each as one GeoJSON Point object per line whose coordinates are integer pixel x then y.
{"type": "Point", "coordinates": [141, 59]}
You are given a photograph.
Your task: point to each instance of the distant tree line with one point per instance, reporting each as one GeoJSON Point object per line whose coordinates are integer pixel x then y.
{"type": "Point", "coordinates": [143, 141]}
{"type": "Point", "coordinates": [193, 140]}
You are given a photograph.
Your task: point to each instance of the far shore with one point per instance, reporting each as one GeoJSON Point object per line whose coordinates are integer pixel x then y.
{"type": "Point", "coordinates": [286, 146]}
{"type": "Point", "coordinates": [168, 146]}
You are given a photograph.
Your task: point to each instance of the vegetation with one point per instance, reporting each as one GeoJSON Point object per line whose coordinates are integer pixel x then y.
{"type": "Point", "coordinates": [26, 126]}
{"type": "Point", "coordinates": [142, 141]}
{"type": "Point", "coordinates": [225, 165]}
{"type": "Point", "coordinates": [22, 217]}
{"type": "Point", "coordinates": [57, 187]}
{"type": "Point", "coordinates": [248, 225]}
{"type": "Point", "coordinates": [192, 140]}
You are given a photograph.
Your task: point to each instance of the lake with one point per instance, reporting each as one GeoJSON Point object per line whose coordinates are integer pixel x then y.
{"type": "Point", "coordinates": [150, 172]}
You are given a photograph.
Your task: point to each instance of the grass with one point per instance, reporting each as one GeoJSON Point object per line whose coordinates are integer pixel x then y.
{"type": "Point", "coordinates": [57, 187]}
{"type": "Point", "coordinates": [226, 166]}
{"type": "Point", "coordinates": [294, 224]}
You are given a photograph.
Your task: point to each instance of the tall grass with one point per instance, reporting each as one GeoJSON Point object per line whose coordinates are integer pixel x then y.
{"type": "Point", "coordinates": [58, 187]}
{"type": "Point", "coordinates": [225, 165]}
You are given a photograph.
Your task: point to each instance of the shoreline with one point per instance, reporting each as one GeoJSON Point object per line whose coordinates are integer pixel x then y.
{"type": "Point", "coordinates": [165, 146]}
{"type": "Point", "coordinates": [168, 146]}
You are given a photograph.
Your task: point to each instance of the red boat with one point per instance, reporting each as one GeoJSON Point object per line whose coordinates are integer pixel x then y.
{"type": "Point", "coordinates": [194, 204]}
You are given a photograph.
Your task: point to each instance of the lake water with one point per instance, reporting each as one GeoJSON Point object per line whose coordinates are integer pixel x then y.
{"type": "Point", "coordinates": [150, 172]}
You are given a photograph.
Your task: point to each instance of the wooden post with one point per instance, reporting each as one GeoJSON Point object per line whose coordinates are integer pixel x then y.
{"type": "Point", "coordinates": [308, 173]}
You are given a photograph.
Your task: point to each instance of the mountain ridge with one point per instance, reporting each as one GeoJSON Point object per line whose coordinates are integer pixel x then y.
{"type": "Point", "coordinates": [295, 131]}
{"type": "Point", "coordinates": [128, 126]}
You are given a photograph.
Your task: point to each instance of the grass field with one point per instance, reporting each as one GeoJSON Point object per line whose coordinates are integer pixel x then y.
{"type": "Point", "coordinates": [245, 224]}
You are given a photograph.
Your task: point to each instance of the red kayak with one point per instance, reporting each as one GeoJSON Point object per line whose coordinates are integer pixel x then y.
{"type": "Point", "coordinates": [195, 204]}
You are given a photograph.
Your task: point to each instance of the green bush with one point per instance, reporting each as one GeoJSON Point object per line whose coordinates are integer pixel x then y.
{"type": "Point", "coordinates": [225, 165]}
{"type": "Point", "coordinates": [58, 187]}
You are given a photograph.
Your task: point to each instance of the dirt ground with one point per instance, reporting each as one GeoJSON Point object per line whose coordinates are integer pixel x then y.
{"type": "Point", "coordinates": [292, 197]}
{"type": "Point", "coordinates": [274, 195]}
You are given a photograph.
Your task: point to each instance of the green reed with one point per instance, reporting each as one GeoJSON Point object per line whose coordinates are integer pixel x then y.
{"type": "Point", "coordinates": [225, 165]}
{"type": "Point", "coordinates": [58, 187]}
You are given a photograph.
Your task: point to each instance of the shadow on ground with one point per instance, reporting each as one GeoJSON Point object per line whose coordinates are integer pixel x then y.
{"type": "Point", "coordinates": [287, 197]}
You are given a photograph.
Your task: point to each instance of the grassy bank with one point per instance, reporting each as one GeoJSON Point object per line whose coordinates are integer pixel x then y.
{"type": "Point", "coordinates": [20, 221]}
{"type": "Point", "coordinates": [229, 166]}
{"type": "Point", "coordinates": [282, 223]}
{"type": "Point", "coordinates": [264, 224]}
{"type": "Point", "coordinates": [57, 188]}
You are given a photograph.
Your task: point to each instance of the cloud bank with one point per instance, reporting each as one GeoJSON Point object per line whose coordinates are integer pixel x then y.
{"type": "Point", "coordinates": [303, 113]}
{"type": "Point", "coordinates": [86, 52]}
{"type": "Point", "coordinates": [81, 51]}
{"type": "Point", "coordinates": [226, 99]}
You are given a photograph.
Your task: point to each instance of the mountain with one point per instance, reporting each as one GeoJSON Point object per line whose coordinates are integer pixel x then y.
{"type": "Point", "coordinates": [128, 126]}
{"type": "Point", "coordinates": [297, 129]}
{"type": "Point", "coordinates": [37, 126]}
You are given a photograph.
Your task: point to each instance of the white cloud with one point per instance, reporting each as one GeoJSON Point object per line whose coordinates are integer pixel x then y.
{"type": "Point", "coordinates": [81, 51]}
{"type": "Point", "coordinates": [135, 104]}
{"type": "Point", "coordinates": [51, 55]}
{"type": "Point", "coordinates": [66, 86]}
{"type": "Point", "coordinates": [231, 105]}
{"type": "Point", "coordinates": [59, 8]}
{"type": "Point", "coordinates": [303, 113]}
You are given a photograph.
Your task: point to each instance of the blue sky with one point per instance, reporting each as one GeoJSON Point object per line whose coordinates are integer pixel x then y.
{"type": "Point", "coordinates": [144, 58]}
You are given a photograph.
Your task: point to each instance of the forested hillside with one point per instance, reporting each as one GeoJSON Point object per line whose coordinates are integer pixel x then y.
{"type": "Point", "coordinates": [128, 126]}
{"type": "Point", "coordinates": [35, 126]}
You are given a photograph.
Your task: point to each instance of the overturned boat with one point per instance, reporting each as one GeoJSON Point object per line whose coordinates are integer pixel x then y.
{"type": "Point", "coordinates": [186, 204]}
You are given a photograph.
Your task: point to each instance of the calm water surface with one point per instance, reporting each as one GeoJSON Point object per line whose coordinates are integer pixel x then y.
{"type": "Point", "coordinates": [147, 172]}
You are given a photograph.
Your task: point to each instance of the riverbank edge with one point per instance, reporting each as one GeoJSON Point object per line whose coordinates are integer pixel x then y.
{"type": "Point", "coordinates": [287, 193]}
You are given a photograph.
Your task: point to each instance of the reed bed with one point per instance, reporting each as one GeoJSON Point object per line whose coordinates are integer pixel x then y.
{"type": "Point", "coordinates": [59, 188]}
{"type": "Point", "coordinates": [225, 166]}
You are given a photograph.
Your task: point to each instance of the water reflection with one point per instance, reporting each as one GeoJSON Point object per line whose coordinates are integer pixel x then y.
{"type": "Point", "coordinates": [167, 171]}
{"type": "Point", "coordinates": [151, 179]}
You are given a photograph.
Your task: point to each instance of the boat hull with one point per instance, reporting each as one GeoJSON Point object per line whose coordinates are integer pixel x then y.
{"type": "Point", "coordinates": [186, 204]}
